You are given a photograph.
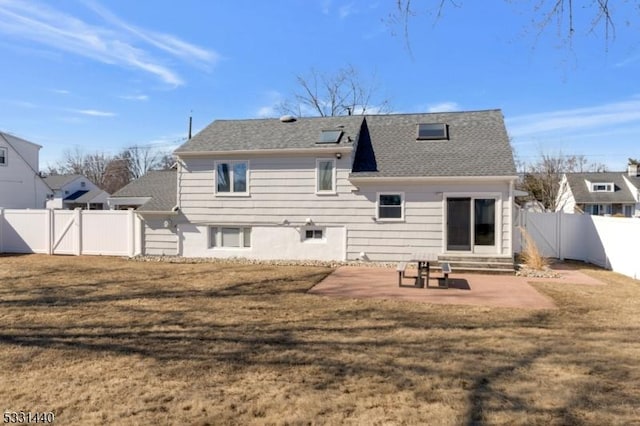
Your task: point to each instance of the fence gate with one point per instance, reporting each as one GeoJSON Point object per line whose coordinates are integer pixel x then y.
{"type": "Point", "coordinates": [65, 232]}
{"type": "Point", "coordinates": [544, 228]}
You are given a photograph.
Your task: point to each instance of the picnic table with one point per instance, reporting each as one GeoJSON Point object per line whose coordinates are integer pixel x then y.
{"type": "Point", "coordinates": [423, 259]}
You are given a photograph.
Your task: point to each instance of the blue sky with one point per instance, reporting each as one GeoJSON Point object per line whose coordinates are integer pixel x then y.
{"type": "Point", "coordinates": [104, 75]}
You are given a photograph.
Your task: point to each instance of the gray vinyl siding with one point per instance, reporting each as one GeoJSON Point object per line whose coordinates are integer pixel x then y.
{"type": "Point", "coordinates": [158, 239]}
{"type": "Point", "coordinates": [284, 188]}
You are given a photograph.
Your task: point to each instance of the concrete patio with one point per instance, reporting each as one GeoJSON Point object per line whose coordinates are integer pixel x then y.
{"type": "Point", "coordinates": [464, 289]}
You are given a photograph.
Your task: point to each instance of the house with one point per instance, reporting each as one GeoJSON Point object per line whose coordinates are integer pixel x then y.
{"type": "Point", "coordinates": [602, 193]}
{"type": "Point", "coordinates": [21, 186]}
{"type": "Point", "coordinates": [75, 191]}
{"type": "Point", "coordinates": [375, 187]}
{"type": "Point", "coordinates": [153, 197]}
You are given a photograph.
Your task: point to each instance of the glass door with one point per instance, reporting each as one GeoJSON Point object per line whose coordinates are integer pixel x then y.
{"type": "Point", "coordinates": [459, 224]}
{"type": "Point", "coordinates": [484, 225]}
{"type": "Point", "coordinates": [471, 224]}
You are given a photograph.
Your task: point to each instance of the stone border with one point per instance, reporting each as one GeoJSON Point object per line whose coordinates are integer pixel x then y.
{"type": "Point", "coordinates": [245, 261]}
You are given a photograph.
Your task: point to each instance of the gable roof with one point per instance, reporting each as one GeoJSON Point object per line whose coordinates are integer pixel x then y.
{"type": "Point", "coordinates": [580, 190]}
{"type": "Point", "coordinates": [386, 145]}
{"type": "Point", "coordinates": [160, 185]}
{"type": "Point", "coordinates": [12, 139]}
{"type": "Point", "coordinates": [58, 181]}
{"type": "Point", "coordinates": [477, 145]}
{"type": "Point", "coordinates": [268, 134]}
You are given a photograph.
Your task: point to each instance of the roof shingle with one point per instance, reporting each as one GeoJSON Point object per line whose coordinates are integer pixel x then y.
{"type": "Point", "coordinates": [160, 185]}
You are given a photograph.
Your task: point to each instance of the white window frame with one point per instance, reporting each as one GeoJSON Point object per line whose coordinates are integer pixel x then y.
{"type": "Point", "coordinates": [314, 239]}
{"type": "Point", "coordinates": [231, 193]}
{"type": "Point", "coordinates": [333, 191]}
{"type": "Point", "coordinates": [402, 207]}
{"type": "Point", "coordinates": [215, 237]}
{"type": "Point", "coordinates": [608, 187]}
{"type": "Point", "coordinates": [5, 155]}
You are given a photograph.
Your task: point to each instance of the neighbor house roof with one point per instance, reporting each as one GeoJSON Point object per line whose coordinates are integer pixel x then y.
{"type": "Point", "coordinates": [84, 196]}
{"type": "Point", "coordinates": [58, 181]}
{"type": "Point", "coordinates": [580, 189]}
{"type": "Point", "coordinates": [387, 145]}
{"type": "Point", "coordinates": [159, 185]}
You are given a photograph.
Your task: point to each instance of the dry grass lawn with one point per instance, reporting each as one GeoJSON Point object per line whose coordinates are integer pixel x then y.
{"type": "Point", "coordinates": [111, 341]}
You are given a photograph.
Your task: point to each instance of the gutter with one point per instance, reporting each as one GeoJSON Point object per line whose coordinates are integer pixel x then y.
{"type": "Point", "coordinates": [279, 151]}
{"type": "Point", "coordinates": [420, 179]}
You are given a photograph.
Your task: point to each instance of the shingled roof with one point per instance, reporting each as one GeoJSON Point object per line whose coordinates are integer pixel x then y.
{"type": "Point", "coordinates": [160, 185]}
{"type": "Point", "coordinates": [58, 181]}
{"type": "Point", "coordinates": [266, 134]}
{"type": "Point", "coordinates": [580, 190]}
{"type": "Point", "coordinates": [477, 143]}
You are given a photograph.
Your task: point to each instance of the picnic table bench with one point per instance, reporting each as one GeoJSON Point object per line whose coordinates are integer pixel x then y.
{"type": "Point", "coordinates": [423, 261]}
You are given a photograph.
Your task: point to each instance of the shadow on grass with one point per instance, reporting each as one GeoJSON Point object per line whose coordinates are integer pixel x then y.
{"type": "Point", "coordinates": [483, 357]}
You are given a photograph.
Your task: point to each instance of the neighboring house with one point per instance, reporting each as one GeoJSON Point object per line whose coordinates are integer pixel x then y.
{"type": "Point", "coordinates": [376, 187]}
{"type": "Point", "coordinates": [603, 193]}
{"type": "Point", "coordinates": [21, 186]}
{"type": "Point", "coordinates": [75, 191]}
{"type": "Point", "coordinates": [153, 196]}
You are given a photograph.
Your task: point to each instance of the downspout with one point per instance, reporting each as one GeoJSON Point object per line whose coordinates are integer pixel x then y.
{"type": "Point", "coordinates": [511, 202]}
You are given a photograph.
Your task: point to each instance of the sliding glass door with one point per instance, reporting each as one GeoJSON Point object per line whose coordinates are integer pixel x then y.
{"type": "Point", "coordinates": [471, 223]}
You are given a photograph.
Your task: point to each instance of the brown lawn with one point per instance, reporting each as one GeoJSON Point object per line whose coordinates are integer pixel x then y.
{"type": "Point", "coordinates": [110, 341]}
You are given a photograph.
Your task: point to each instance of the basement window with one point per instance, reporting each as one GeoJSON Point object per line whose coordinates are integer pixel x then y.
{"type": "Point", "coordinates": [313, 234]}
{"type": "Point", "coordinates": [330, 136]}
{"type": "Point", "coordinates": [229, 237]}
{"type": "Point", "coordinates": [432, 131]}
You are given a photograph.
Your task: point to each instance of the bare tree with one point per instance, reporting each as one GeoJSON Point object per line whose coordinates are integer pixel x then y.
{"type": "Point", "coordinates": [141, 159]}
{"type": "Point", "coordinates": [598, 14]}
{"type": "Point", "coordinates": [342, 93]}
{"type": "Point", "coordinates": [117, 174]}
{"type": "Point", "coordinates": [542, 178]}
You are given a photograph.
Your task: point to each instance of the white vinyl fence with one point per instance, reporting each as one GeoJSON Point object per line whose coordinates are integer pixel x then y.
{"type": "Point", "coordinates": [76, 232]}
{"type": "Point", "coordinates": [609, 242]}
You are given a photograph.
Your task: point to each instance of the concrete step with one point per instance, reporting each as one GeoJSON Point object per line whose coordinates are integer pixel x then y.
{"type": "Point", "coordinates": [479, 264]}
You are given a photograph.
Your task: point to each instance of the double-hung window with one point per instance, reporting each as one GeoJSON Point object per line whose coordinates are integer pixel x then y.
{"type": "Point", "coordinates": [326, 176]}
{"type": "Point", "coordinates": [390, 206]}
{"type": "Point", "coordinates": [3, 156]}
{"type": "Point", "coordinates": [232, 177]}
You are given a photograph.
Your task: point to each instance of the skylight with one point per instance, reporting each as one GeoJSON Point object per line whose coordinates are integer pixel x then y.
{"type": "Point", "coordinates": [330, 136]}
{"type": "Point", "coordinates": [432, 131]}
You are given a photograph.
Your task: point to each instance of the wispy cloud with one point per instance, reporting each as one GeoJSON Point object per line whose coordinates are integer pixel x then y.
{"type": "Point", "coordinates": [608, 133]}
{"type": "Point", "coordinates": [60, 91]}
{"type": "Point", "coordinates": [94, 112]}
{"type": "Point", "coordinates": [19, 103]}
{"type": "Point", "coordinates": [107, 44]}
{"type": "Point", "coordinates": [627, 61]}
{"type": "Point", "coordinates": [574, 120]}
{"type": "Point", "coordinates": [326, 7]}
{"type": "Point", "coordinates": [273, 99]}
{"type": "Point", "coordinates": [134, 97]}
{"type": "Point", "coordinates": [444, 107]}
{"type": "Point", "coordinates": [346, 10]}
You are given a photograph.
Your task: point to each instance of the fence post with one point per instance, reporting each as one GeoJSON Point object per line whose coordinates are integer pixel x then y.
{"type": "Point", "coordinates": [131, 237]}
{"type": "Point", "coordinates": [78, 226]}
{"type": "Point", "coordinates": [1, 226]}
{"type": "Point", "coordinates": [559, 233]}
{"type": "Point", "coordinates": [49, 231]}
